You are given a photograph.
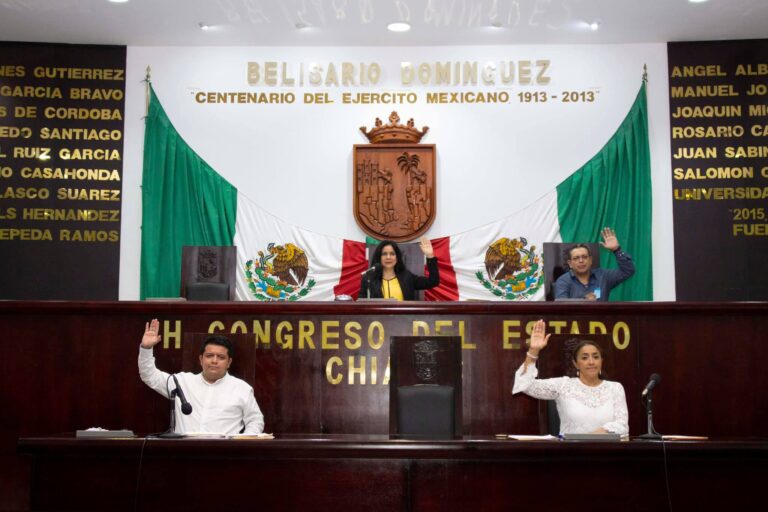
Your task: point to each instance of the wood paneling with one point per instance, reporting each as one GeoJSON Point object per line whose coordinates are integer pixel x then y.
{"type": "Point", "coordinates": [369, 473]}
{"type": "Point", "coordinates": [73, 365]}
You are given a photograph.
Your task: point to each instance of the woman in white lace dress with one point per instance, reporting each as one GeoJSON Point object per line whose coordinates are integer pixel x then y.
{"type": "Point", "coordinates": [586, 403]}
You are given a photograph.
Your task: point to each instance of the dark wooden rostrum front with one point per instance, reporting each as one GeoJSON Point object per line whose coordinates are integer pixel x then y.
{"type": "Point", "coordinates": [324, 473]}
{"type": "Point", "coordinates": [320, 368]}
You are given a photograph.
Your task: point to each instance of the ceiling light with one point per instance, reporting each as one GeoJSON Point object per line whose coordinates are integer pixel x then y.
{"type": "Point", "coordinates": [594, 25]}
{"type": "Point", "coordinates": [118, 1]}
{"type": "Point", "coordinates": [203, 26]}
{"type": "Point", "coordinates": [697, 1]}
{"type": "Point", "coordinates": [399, 26]}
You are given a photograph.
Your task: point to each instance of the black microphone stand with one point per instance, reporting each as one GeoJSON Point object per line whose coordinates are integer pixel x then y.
{"type": "Point", "coordinates": [651, 435]}
{"type": "Point", "coordinates": [171, 432]}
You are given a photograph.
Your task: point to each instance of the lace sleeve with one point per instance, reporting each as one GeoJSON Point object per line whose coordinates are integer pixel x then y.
{"type": "Point", "coordinates": [543, 389]}
{"type": "Point", "coordinates": [620, 423]}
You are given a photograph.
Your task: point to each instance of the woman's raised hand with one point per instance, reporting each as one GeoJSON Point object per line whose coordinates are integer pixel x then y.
{"type": "Point", "coordinates": [426, 247]}
{"type": "Point", "coordinates": [539, 339]}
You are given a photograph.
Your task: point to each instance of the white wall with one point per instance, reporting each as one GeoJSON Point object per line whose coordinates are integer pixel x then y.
{"type": "Point", "coordinates": [493, 159]}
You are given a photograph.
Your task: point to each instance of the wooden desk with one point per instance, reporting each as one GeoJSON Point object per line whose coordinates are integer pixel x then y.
{"type": "Point", "coordinates": [307, 473]}
{"type": "Point", "coordinates": [72, 365]}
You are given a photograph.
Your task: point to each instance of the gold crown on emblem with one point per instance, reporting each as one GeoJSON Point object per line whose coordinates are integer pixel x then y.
{"type": "Point", "coordinates": [394, 131]}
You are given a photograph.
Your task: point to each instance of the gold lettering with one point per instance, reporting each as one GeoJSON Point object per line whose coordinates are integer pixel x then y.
{"type": "Point", "coordinates": [621, 335]}
{"type": "Point", "coordinates": [174, 334]}
{"type": "Point", "coordinates": [261, 332]}
{"type": "Point", "coordinates": [597, 328]}
{"type": "Point", "coordinates": [557, 325]}
{"type": "Point", "coordinates": [759, 69]}
{"type": "Point", "coordinates": [88, 235]}
{"type": "Point", "coordinates": [22, 112]}
{"type": "Point", "coordinates": [306, 330]}
{"type": "Point", "coordinates": [465, 344]}
{"type": "Point", "coordinates": [216, 325]}
{"type": "Point", "coordinates": [374, 365]}
{"type": "Point", "coordinates": [543, 65]}
{"type": "Point", "coordinates": [9, 71]}
{"type": "Point", "coordinates": [443, 325]}
{"type": "Point", "coordinates": [285, 342]}
{"type": "Point", "coordinates": [356, 370]}
{"type": "Point", "coordinates": [333, 379]}
{"type": "Point", "coordinates": [375, 326]}
{"type": "Point", "coordinates": [88, 154]}
{"type": "Point", "coordinates": [407, 73]}
{"type": "Point", "coordinates": [420, 328]}
{"type": "Point", "coordinates": [238, 327]}
{"type": "Point", "coordinates": [353, 340]}
{"type": "Point", "coordinates": [79, 73]}
{"type": "Point", "coordinates": [270, 73]}
{"type": "Point", "coordinates": [326, 335]}
{"type": "Point", "coordinates": [703, 91]}
{"type": "Point", "coordinates": [698, 71]}
{"type": "Point", "coordinates": [385, 382]}
{"type": "Point", "coordinates": [508, 334]}
{"type": "Point", "coordinates": [24, 234]}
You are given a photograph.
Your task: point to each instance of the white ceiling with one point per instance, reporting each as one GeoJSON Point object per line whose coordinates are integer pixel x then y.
{"type": "Point", "coordinates": [363, 22]}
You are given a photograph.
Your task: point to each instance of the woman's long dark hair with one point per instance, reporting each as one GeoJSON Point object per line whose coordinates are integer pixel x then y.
{"type": "Point", "coordinates": [376, 258]}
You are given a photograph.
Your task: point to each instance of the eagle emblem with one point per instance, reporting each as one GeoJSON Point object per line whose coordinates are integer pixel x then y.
{"type": "Point", "coordinates": [503, 257]}
{"type": "Point", "coordinates": [290, 263]}
{"type": "Point", "coordinates": [281, 272]}
{"type": "Point", "coordinates": [513, 271]}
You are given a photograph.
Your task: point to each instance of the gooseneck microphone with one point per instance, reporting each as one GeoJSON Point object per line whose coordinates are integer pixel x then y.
{"type": "Point", "coordinates": [371, 269]}
{"type": "Point", "coordinates": [186, 407]}
{"type": "Point", "coordinates": [647, 398]}
{"type": "Point", "coordinates": [367, 274]}
{"type": "Point", "coordinates": [655, 379]}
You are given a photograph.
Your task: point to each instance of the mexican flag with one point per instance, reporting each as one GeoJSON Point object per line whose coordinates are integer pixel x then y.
{"type": "Point", "coordinates": [612, 189]}
{"type": "Point", "coordinates": [186, 202]}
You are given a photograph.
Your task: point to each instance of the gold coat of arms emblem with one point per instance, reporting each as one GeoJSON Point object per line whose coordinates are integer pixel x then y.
{"type": "Point", "coordinates": [394, 181]}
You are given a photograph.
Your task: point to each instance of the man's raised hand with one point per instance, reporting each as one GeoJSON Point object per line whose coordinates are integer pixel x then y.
{"type": "Point", "coordinates": [151, 336]}
{"type": "Point", "coordinates": [609, 239]}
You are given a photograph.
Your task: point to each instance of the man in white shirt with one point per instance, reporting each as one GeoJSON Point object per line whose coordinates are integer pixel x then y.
{"type": "Point", "coordinates": [221, 403]}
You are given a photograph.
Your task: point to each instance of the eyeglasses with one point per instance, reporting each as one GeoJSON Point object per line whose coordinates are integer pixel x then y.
{"type": "Point", "coordinates": [580, 258]}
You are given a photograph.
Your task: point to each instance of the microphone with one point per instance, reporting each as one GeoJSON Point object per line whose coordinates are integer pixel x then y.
{"type": "Point", "coordinates": [374, 268]}
{"type": "Point", "coordinates": [655, 379]}
{"type": "Point", "coordinates": [186, 407]}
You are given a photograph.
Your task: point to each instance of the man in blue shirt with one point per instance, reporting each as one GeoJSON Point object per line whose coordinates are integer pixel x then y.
{"type": "Point", "coordinates": [585, 282]}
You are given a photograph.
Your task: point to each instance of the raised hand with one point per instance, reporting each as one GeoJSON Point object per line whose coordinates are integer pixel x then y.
{"type": "Point", "coordinates": [426, 247]}
{"type": "Point", "coordinates": [609, 239]}
{"type": "Point", "coordinates": [538, 338]}
{"type": "Point", "coordinates": [151, 336]}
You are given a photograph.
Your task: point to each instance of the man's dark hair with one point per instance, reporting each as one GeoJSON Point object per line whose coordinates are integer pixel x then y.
{"type": "Point", "coordinates": [578, 246]}
{"type": "Point", "coordinates": [222, 341]}
{"type": "Point", "coordinates": [376, 258]}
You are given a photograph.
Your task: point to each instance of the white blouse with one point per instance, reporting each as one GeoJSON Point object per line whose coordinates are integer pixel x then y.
{"type": "Point", "coordinates": [582, 408]}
